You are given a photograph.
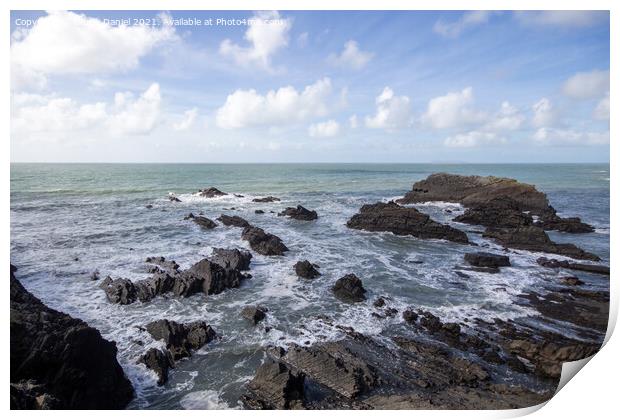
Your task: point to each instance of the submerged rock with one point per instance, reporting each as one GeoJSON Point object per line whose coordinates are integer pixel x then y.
{"type": "Point", "coordinates": [254, 313]}
{"type": "Point", "coordinates": [236, 221]}
{"type": "Point", "coordinates": [487, 259]}
{"type": "Point", "coordinates": [299, 213]}
{"type": "Point", "coordinates": [262, 242]}
{"type": "Point", "coordinates": [305, 269]}
{"type": "Point", "coordinates": [268, 199]}
{"type": "Point", "coordinates": [390, 217]}
{"type": "Point", "coordinates": [210, 192]}
{"type": "Point", "coordinates": [349, 289]}
{"type": "Point", "coordinates": [181, 339]}
{"type": "Point", "coordinates": [533, 238]}
{"type": "Point", "coordinates": [60, 362]}
{"type": "Point", "coordinates": [232, 258]}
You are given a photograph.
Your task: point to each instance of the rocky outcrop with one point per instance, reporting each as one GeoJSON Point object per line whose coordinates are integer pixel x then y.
{"type": "Point", "coordinates": [181, 339]}
{"type": "Point", "coordinates": [275, 387]}
{"type": "Point", "coordinates": [359, 372]}
{"type": "Point", "coordinates": [487, 259]}
{"type": "Point", "coordinates": [268, 199]}
{"type": "Point", "coordinates": [210, 192]}
{"type": "Point", "coordinates": [159, 361]}
{"type": "Point", "coordinates": [506, 197]}
{"type": "Point", "coordinates": [262, 242]}
{"type": "Point", "coordinates": [254, 313]}
{"type": "Point", "coordinates": [174, 199]}
{"type": "Point", "coordinates": [590, 268]}
{"type": "Point", "coordinates": [203, 222]}
{"type": "Point", "coordinates": [390, 217]}
{"type": "Point", "coordinates": [234, 259]}
{"type": "Point", "coordinates": [501, 212]}
{"type": "Point", "coordinates": [60, 362]}
{"type": "Point", "coordinates": [533, 238]}
{"type": "Point", "coordinates": [349, 289]}
{"type": "Point", "coordinates": [299, 213]}
{"type": "Point", "coordinates": [204, 276]}
{"type": "Point", "coordinates": [305, 269]}
{"type": "Point", "coordinates": [236, 221]}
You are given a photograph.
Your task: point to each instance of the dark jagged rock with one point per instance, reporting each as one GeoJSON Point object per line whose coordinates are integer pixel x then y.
{"type": "Point", "coordinates": [259, 211]}
{"type": "Point", "coordinates": [571, 281]}
{"type": "Point", "coordinates": [477, 192]}
{"type": "Point", "coordinates": [232, 258]}
{"type": "Point", "coordinates": [490, 270]}
{"type": "Point", "coordinates": [213, 278]}
{"type": "Point", "coordinates": [552, 221]}
{"type": "Point", "coordinates": [60, 362]}
{"type": "Point", "coordinates": [268, 199]}
{"type": "Point", "coordinates": [504, 212]}
{"type": "Point", "coordinates": [254, 313]}
{"type": "Point", "coordinates": [94, 276]}
{"type": "Point", "coordinates": [211, 192]}
{"type": "Point", "coordinates": [379, 302]}
{"type": "Point", "coordinates": [349, 289]}
{"type": "Point", "coordinates": [159, 361]}
{"type": "Point", "coordinates": [181, 339]}
{"type": "Point", "coordinates": [305, 269]}
{"type": "Point", "coordinates": [299, 213]}
{"type": "Point", "coordinates": [390, 217]}
{"type": "Point", "coordinates": [487, 259]}
{"type": "Point", "coordinates": [275, 387]}
{"type": "Point", "coordinates": [166, 265]}
{"type": "Point", "coordinates": [121, 291]}
{"type": "Point", "coordinates": [262, 242]}
{"type": "Point", "coordinates": [359, 372]}
{"type": "Point", "coordinates": [203, 222]}
{"type": "Point", "coordinates": [236, 221]}
{"type": "Point", "coordinates": [174, 199]}
{"type": "Point", "coordinates": [590, 268]}
{"type": "Point", "coordinates": [533, 238]}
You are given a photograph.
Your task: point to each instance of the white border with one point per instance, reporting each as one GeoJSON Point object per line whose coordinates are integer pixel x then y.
{"type": "Point", "coordinates": [592, 395]}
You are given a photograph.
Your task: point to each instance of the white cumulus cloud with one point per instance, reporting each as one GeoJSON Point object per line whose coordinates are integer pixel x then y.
{"type": "Point", "coordinates": [507, 118]}
{"type": "Point", "coordinates": [467, 20]}
{"type": "Point", "coordinates": [353, 123]}
{"type": "Point", "coordinates": [587, 85]}
{"type": "Point", "coordinates": [328, 128]}
{"type": "Point", "coordinates": [189, 117]}
{"type": "Point", "coordinates": [351, 57]}
{"type": "Point", "coordinates": [128, 115]}
{"type": "Point", "coordinates": [266, 36]}
{"type": "Point", "coordinates": [71, 43]}
{"type": "Point", "coordinates": [393, 111]}
{"type": "Point", "coordinates": [544, 114]}
{"type": "Point", "coordinates": [559, 137]}
{"type": "Point", "coordinates": [246, 108]}
{"type": "Point", "coordinates": [452, 110]}
{"type": "Point", "coordinates": [474, 139]}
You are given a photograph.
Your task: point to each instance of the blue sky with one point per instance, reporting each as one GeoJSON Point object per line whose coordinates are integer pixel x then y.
{"type": "Point", "coordinates": [311, 87]}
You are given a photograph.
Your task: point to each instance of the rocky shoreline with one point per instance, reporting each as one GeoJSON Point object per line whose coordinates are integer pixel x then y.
{"type": "Point", "coordinates": [432, 364]}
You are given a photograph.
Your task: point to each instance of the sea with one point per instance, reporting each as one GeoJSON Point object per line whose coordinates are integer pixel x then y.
{"type": "Point", "coordinates": [68, 220]}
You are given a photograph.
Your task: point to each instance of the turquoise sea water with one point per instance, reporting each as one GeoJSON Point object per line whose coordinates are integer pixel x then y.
{"type": "Point", "coordinates": [69, 219]}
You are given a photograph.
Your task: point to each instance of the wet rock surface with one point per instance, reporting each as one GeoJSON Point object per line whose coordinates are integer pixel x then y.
{"type": "Point", "coordinates": [181, 339]}
{"type": "Point", "coordinates": [211, 192]}
{"type": "Point", "coordinates": [254, 313]}
{"type": "Point", "coordinates": [487, 259]}
{"type": "Point", "coordinates": [590, 268]}
{"type": "Point", "coordinates": [236, 221]}
{"type": "Point", "coordinates": [203, 222]}
{"type": "Point", "coordinates": [390, 217]}
{"type": "Point", "coordinates": [59, 362]}
{"type": "Point", "coordinates": [234, 259]}
{"type": "Point", "coordinates": [532, 238]}
{"type": "Point", "coordinates": [305, 269]}
{"type": "Point", "coordinates": [349, 289]}
{"type": "Point", "coordinates": [268, 199]}
{"type": "Point", "coordinates": [160, 362]}
{"type": "Point", "coordinates": [299, 213]}
{"type": "Point", "coordinates": [262, 242]}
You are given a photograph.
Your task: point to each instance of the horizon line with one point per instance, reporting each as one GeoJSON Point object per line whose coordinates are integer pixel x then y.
{"type": "Point", "coordinates": [310, 163]}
